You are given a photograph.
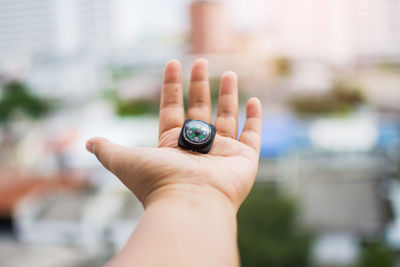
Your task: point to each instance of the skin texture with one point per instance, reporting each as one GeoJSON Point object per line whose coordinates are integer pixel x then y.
{"type": "Point", "coordinates": [190, 199]}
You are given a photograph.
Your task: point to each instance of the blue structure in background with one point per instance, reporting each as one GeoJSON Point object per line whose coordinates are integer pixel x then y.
{"type": "Point", "coordinates": [283, 133]}
{"type": "Point", "coordinates": [280, 134]}
{"type": "Point", "coordinates": [389, 134]}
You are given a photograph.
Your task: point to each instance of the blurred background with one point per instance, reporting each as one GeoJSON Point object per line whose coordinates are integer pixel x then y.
{"type": "Point", "coordinates": [327, 72]}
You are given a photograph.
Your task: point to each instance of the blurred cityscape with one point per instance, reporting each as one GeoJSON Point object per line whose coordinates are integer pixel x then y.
{"type": "Point", "coordinates": [327, 72]}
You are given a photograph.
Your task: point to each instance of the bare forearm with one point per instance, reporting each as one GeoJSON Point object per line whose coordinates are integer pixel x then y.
{"type": "Point", "coordinates": [183, 230]}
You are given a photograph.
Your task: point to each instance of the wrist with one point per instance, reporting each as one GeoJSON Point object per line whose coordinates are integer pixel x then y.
{"type": "Point", "coordinates": [192, 195]}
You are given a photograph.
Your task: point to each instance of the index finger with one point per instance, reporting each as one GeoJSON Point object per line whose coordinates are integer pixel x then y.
{"type": "Point", "coordinates": [172, 112]}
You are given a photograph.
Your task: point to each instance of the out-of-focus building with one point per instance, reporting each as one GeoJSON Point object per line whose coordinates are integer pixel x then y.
{"type": "Point", "coordinates": [338, 31]}
{"type": "Point", "coordinates": [58, 46]}
{"type": "Point", "coordinates": [62, 26]}
{"type": "Point", "coordinates": [27, 24]}
{"type": "Point", "coordinates": [374, 26]}
{"type": "Point", "coordinates": [64, 48]}
{"type": "Point", "coordinates": [210, 27]}
{"type": "Point", "coordinates": [381, 88]}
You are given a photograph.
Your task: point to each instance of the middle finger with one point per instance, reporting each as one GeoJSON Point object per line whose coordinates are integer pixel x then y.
{"type": "Point", "coordinates": [199, 92]}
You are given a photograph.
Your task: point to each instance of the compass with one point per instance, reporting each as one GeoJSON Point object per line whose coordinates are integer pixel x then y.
{"type": "Point", "coordinates": [197, 135]}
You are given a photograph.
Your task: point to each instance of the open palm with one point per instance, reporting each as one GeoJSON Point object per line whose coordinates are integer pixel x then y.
{"type": "Point", "coordinates": [228, 169]}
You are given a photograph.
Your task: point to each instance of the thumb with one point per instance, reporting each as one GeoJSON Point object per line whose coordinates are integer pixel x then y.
{"type": "Point", "coordinates": [106, 152]}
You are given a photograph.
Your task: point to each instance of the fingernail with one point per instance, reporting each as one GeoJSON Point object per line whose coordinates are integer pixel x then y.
{"type": "Point", "coordinates": [230, 73]}
{"type": "Point", "coordinates": [90, 147]}
{"type": "Point", "coordinates": [204, 60]}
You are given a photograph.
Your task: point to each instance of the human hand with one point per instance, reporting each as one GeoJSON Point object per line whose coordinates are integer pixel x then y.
{"type": "Point", "coordinates": [226, 174]}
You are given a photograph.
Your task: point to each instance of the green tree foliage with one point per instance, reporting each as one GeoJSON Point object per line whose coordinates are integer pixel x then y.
{"type": "Point", "coordinates": [342, 98]}
{"type": "Point", "coordinates": [375, 254]}
{"type": "Point", "coordinates": [267, 232]}
{"type": "Point", "coordinates": [283, 66]}
{"type": "Point", "coordinates": [126, 107]}
{"type": "Point", "coordinates": [131, 107]}
{"type": "Point", "coordinates": [135, 107]}
{"type": "Point", "coordinates": [391, 66]}
{"type": "Point", "coordinates": [15, 96]}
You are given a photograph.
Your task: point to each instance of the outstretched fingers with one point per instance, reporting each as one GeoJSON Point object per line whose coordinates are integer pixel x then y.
{"type": "Point", "coordinates": [226, 122]}
{"type": "Point", "coordinates": [251, 134]}
{"type": "Point", "coordinates": [172, 112]}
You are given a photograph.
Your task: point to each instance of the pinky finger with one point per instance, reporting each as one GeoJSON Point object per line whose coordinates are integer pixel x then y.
{"type": "Point", "coordinates": [251, 134]}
